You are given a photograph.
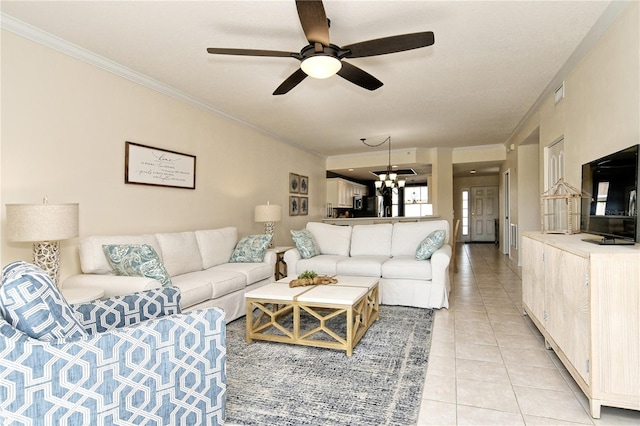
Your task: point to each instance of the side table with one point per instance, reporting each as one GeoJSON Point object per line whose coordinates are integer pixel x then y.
{"type": "Point", "coordinates": [76, 295]}
{"type": "Point", "coordinates": [281, 265]}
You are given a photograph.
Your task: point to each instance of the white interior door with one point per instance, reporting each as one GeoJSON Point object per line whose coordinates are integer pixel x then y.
{"type": "Point", "coordinates": [506, 225]}
{"type": "Point", "coordinates": [555, 170]}
{"type": "Point", "coordinates": [484, 212]}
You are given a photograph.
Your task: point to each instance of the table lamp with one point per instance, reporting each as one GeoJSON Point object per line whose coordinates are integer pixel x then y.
{"type": "Point", "coordinates": [44, 225]}
{"type": "Point", "coordinates": [269, 214]}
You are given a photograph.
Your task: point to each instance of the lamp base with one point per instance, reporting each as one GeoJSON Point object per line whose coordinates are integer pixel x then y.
{"type": "Point", "coordinates": [46, 255]}
{"type": "Point", "coordinates": [269, 227]}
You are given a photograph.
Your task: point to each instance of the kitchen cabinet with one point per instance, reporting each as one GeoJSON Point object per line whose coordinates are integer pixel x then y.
{"type": "Point", "coordinates": [340, 192]}
{"type": "Point", "coordinates": [585, 300]}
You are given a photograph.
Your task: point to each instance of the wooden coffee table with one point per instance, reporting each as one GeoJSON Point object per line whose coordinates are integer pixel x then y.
{"type": "Point", "coordinates": [278, 308]}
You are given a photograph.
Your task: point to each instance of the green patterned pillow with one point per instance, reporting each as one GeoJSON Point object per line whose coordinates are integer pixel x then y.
{"type": "Point", "coordinates": [136, 260]}
{"type": "Point", "coordinates": [305, 243]}
{"type": "Point", "coordinates": [429, 245]}
{"type": "Point", "coordinates": [251, 249]}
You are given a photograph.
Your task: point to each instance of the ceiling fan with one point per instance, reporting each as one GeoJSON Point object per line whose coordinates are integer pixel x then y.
{"type": "Point", "coordinates": [321, 59]}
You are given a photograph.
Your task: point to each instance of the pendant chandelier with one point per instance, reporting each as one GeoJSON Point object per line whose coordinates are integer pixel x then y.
{"type": "Point", "coordinates": [390, 178]}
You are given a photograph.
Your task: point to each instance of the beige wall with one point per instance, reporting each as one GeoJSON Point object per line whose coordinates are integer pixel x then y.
{"type": "Point", "coordinates": [600, 113]}
{"type": "Point", "coordinates": [64, 127]}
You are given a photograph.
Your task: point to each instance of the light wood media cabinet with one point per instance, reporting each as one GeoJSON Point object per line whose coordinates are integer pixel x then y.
{"type": "Point", "coordinates": [585, 300]}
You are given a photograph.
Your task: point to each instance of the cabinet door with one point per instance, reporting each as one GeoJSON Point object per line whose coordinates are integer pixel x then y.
{"type": "Point", "coordinates": [533, 277]}
{"type": "Point", "coordinates": [576, 337]}
{"type": "Point", "coordinates": [554, 293]}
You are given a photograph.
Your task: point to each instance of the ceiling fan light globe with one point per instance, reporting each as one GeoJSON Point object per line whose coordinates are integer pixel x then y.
{"type": "Point", "coordinates": [321, 66]}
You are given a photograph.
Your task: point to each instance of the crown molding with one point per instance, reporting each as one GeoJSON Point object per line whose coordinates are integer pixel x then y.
{"type": "Point", "coordinates": [46, 39]}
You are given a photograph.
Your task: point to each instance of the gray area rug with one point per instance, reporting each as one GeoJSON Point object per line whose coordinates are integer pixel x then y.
{"type": "Point", "coordinates": [381, 384]}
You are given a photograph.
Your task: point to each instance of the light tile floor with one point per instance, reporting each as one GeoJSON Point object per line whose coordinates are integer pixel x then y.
{"type": "Point", "coordinates": [488, 364]}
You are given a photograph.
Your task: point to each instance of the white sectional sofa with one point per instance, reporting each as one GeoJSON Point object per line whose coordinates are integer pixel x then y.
{"type": "Point", "coordinates": [197, 262]}
{"type": "Point", "coordinates": [387, 251]}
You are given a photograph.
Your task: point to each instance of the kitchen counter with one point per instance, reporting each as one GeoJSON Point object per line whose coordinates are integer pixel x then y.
{"type": "Point", "coordinates": [371, 220]}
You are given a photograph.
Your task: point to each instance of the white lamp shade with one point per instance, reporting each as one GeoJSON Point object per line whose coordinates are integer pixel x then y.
{"type": "Point", "coordinates": [321, 66]}
{"type": "Point", "coordinates": [268, 213]}
{"type": "Point", "coordinates": [42, 222]}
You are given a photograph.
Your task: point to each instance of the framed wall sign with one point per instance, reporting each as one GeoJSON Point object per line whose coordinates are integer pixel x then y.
{"type": "Point", "coordinates": [146, 165]}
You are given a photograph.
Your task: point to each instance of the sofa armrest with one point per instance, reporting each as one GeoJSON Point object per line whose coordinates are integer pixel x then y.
{"type": "Point", "coordinates": [122, 311]}
{"type": "Point", "coordinates": [291, 258]}
{"type": "Point", "coordinates": [270, 257]}
{"type": "Point", "coordinates": [113, 285]}
{"type": "Point", "coordinates": [440, 261]}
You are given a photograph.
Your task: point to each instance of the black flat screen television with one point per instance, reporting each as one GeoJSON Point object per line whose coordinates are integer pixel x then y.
{"type": "Point", "coordinates": [611, 211]}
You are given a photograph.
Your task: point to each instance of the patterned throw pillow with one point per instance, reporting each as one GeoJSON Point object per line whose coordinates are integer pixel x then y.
{"type": "Point", "coordinates": [32, 303]}
{"type": "Point", "coordinates": [305, 243]}
{"type": "Point", "coordinates": [251, 249]}
{"type": "Point", "coordinates": [136, 260]}
{"type": "Point", "coordinates": [429, 245]}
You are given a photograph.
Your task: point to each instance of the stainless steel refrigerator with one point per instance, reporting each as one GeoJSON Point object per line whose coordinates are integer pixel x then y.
{"type": "Point", "coordinates": [372, 207]}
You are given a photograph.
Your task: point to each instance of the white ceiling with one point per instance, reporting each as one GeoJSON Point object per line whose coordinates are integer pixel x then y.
{"type": "Point", "coordinates": [488, 66]}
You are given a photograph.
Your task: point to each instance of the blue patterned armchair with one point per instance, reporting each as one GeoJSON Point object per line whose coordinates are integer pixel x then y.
{"type": "Point", "coordinates": [131, 359]}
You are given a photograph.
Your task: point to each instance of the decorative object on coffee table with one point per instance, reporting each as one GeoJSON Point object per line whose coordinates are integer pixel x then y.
{"type": "Point", "coordinates": [311, 278]}
{"type": "Point", "coordinates": [269, 214]}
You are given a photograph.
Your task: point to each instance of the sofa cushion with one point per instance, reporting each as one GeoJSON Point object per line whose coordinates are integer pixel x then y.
{"type": "Point", "coordinates": [136, 260]}
{"type": "Point", "coordinates": [251, 249]}
{"type": "Point", "coordinates": [199, 286]}
{"type": "Point", "coordinates": [332, 239]}
{"type": "Point", "coordinates": [371, 240]}
{"type": "Point", "coordinates": [366, 266]}
{"type": "Point", "coordinates": [429, 245]}
{"type": "Point", "coordinates": [31, 303]}
{"type": "Point", "coordinates": [253, 272]}
{"type": "Point", "coordinates": [216, 245]}
{"type": "Point", "coordinates": [324, 264]}
{"type": "Point", "coordinates": [407, 267]}
{"type": "Point", "coordinates": [92, 258]}
{"type": "Point", "coordinates": [305, 243]}
{"type": "Point", "coordinates": [180, 252]}
{"type": "Point", "coordinates": [408, 235]}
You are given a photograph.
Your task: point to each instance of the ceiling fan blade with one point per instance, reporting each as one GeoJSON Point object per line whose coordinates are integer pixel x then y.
{"type": "Point", "coordinates": [314, 21]}
{"type": "Point", "coordinates": [252, 52]}
{"type": "Point", "coordinates": [393, 44]}
{"type": "Point", "coordinates": [359, 77]}
{"type": "Point", "coordinates": [292, 81]}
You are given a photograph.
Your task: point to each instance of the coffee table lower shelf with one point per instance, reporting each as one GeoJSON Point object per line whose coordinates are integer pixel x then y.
{"type": "Point", "coordinates": [274, 313]}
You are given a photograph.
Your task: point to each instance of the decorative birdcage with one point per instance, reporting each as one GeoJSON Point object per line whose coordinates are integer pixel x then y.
{"type": "Point", "coordinates": [560, 209]}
